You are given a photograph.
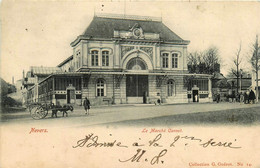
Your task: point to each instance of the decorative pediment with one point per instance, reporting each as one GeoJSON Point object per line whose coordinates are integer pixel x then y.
{"type": "Point", "coordinates": [70, 87]}
{"type": "Point", "coordinates": [135, 32]}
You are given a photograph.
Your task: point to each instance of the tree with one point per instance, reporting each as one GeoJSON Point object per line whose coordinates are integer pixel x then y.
{"type": "Point", "coordinates": [255, 63]}
{"type": "Point", "coordinates": [194, 59]}
{"type": "Point", "coordinates": [6, 88]}
{"type": "Point", "coordinates": [237, 61]}
{"type": "Point", "coordinates": [206, 62]}
{"type": "Point", "coordinates": [212, 60]}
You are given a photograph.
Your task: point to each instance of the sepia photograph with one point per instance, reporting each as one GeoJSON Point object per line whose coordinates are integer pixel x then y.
{"type": "Point", "coordinates": [130, 84]}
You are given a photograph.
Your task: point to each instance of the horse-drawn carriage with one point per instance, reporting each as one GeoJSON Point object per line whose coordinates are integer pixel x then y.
{"type": "Point", "coordinates": [40, 110]}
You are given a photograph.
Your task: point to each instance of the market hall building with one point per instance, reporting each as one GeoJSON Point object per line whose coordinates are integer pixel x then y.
{"type": "Point", "coordinates": [124, 59]}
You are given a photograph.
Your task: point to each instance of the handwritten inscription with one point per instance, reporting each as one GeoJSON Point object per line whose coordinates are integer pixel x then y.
{"type": "Point", "coordinates": [35, 130]}
{"type": "Point", "coordinates": [161, 149]}
{"type": "Point", "coordinates": [91, 140]}
{"type": "Point", "coordinates": [140, 153]}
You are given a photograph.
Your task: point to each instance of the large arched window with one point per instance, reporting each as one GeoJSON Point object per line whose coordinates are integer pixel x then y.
{"type": "Point", "coordinates": [100, 88]}
{"type": "Point", "coordinates": [94, 58]}
{"type": "Point", "coordinates": [105, 58]}
{"type": "Point", "coordinates": [165, 60]}
{"type": "Point", "coordinates": [170, 88]}
{"type": "Point", "coordinates": [136, 64]}
{"type": "Point", "coordinates": [174, 60]}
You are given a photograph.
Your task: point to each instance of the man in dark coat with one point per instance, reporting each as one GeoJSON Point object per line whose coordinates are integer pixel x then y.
{"type": "Point", "coordinates": [218, 97]}
{"type": "Point", "coordinates": [252, 96]}
{"type": "Point", "coordinates": [86, 105]}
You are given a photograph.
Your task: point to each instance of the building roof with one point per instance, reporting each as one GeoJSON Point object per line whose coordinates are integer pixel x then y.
{"type": "Point", "coordinates": [44, 70]}
{"type": "Point", "coordinates": [103, 27]}
{"type": "Point", "coordinates": [65, 61]}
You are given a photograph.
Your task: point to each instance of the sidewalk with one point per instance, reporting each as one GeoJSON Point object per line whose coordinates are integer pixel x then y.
{"type": "Point", "coordinates": [163, 104]}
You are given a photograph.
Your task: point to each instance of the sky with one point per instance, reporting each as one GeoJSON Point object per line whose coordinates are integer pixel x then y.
{"type": "Point", "coordinates": [39, 33]}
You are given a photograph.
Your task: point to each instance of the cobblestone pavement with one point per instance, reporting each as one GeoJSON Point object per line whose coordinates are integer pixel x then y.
{"type": "Point", "coordinates": [145, 114]}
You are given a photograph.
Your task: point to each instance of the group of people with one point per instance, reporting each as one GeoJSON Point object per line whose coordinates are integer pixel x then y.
{"type": "Point", "coordinates": [242, 97]}
{"type": "Point", "coordinates": [247, 97]}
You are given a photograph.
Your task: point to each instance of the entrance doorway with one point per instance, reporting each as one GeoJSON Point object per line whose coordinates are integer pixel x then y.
{"type": "Point", "coordinates": [70, 96]}
{"type": "Point", "coordinates": [195, 95]}
{"type": "Point", "coordinates": [137, 88]}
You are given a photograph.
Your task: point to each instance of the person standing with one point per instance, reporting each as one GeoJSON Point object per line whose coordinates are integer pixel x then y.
{"type": "Point", "coordinates": [247, 94]}
{"type": "Point", "coordinates": [251, 97]}
{"type": "Point", "coordinates": [241, 97]}
{"type": "Point", "coordinates": [86, 105]}
{"type": "Point", "coordinates": [218, 97]}
{"type": "Point", "coordinates": [145, 98]}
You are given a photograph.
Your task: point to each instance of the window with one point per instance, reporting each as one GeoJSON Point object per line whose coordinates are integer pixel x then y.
{"type": "Point", "coordinates": [105, 58]}
{"type": "Point", "coordinates": [174, 60]}
{"type": "Point", "coordinates": [170, 88]}
{"type": "Point", "coordinates": [100, 88]}
{"type": "Point", "coordinates": [136, 64]}
{"type": "Point", "coordinates": [94, 58]}
{"type": "Point", "coordinates": [165, 60]}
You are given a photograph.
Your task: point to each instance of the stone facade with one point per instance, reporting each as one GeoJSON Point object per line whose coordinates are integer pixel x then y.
{"type": "Point", "coordinates": [125, 60]}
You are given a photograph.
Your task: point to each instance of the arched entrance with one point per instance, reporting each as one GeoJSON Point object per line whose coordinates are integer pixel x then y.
{"type": "Point", "coordinates": [136, 85]}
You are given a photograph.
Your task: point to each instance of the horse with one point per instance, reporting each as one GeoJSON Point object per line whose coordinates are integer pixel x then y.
{"type": "Point", "coordinates": [63, 109]}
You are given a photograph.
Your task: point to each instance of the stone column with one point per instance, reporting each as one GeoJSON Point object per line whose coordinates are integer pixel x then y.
{"type": "Point", "coordinates": [210, 89]}
{"type": "Point", "coordinates": [53, 91]}
{"type": "Point", "coordinates": [82, 88]}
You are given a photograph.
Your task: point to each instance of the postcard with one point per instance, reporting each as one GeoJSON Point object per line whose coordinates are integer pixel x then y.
{"type": "Point", "coordinates": [130, 84]}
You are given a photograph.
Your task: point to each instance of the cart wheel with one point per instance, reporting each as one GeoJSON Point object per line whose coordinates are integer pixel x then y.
{"type": "Point", "coordinates": [39, 112]}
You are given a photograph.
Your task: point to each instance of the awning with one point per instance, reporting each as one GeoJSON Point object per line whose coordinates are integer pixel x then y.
{"type": "Point", "coordinates": [126, 73]}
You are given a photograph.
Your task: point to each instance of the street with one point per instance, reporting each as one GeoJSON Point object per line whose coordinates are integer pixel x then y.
{"type": "Point", "coordinates": [146, 115]}
{"type": "Point", "coordinates": [39, 142]}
